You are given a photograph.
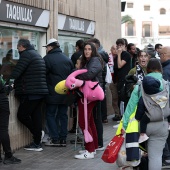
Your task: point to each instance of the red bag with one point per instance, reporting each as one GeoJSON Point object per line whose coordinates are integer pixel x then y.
{"type": "Point", "coordinates": [111, 152]}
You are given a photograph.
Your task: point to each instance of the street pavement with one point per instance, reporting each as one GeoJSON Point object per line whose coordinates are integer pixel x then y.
{"type": "Point", "coordinates": [62, 158]}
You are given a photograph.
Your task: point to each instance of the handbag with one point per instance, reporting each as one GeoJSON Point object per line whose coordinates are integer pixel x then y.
{"type": "Point", "coordinates": [111, 152]}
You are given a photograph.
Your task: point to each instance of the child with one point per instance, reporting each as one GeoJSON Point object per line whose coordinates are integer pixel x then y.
{"type": "Point", "coordinates": [78, 63]}
{"type": "Point", "coordinates": [150, 86]}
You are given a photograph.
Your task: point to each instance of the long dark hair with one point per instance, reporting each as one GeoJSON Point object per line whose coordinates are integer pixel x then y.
{"type": "Point", "coordinates": [93, 54]}
{"type": "Point", "coordinates": [154, 65]}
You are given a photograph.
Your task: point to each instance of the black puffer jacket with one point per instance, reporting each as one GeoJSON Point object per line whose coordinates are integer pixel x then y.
{"type": "Point", "coordinates": [30, 74]}
{"type": "Point", "coordinates": [58, 68]}
{"type": "Point", "coordinates": [94, 72]}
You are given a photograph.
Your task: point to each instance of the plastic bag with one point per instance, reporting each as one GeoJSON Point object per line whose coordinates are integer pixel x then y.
{"type": "Point", "coordinates": [108, 77]}
{"type": "Point", "coordinates": [111, 152]}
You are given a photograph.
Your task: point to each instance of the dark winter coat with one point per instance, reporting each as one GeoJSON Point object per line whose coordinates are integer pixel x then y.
{"type": "Point", "coordinates": [94, 72]}
{"type": "Point", "coordinates": [30, 74]}
{"type": "Point", "coordinates": [75, 56]}
{"type": "Point", "coordinates": [166, 70]}
{"type": "Point", "coordinates": [58, 67]}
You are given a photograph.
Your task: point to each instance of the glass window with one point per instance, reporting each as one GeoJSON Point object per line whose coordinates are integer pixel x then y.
{"type": "Point", "coordinates": [129, 5]}
{"type": "Point", "coordinates": [67, 44]}
{"type": "Point", "coordinates": [130, 31]}
{"type": "Point", "coordinates": [164, 30]}
{"type": "Point", "coordinates": [146, 30]}
{"type": "Point", "coordinates": [162, 11]}
{"type": "Point", "coordinates": [147, 8]}
{"type": "Point", "coordinates": [8, 48]}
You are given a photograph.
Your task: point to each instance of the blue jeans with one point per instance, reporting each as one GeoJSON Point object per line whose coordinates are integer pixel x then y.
{"type": "Point", "coordinates": [57, 120]}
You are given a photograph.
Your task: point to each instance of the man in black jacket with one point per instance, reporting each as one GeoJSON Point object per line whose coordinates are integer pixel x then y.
{"type": "Point", "coordinates": [30, 88]}
{"type": "Point", "coordinates": [58, 67]}
{"type": "Point", "coordinates": [165, 60]}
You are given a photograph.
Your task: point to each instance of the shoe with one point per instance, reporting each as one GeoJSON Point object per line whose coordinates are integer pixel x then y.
{"type": "Point", "coordinates": [11, 160]}
{"type": "Point", "coordinates": [100, 148]}
{"type": "Point", "coordinates": [79, 141]}
{"type": "Point", "coordinates": [72, 130]}
{"type": "Point", "coordinates": [169, 127]}
{"type": "Point", "coordinates": [52, 143]}
{"type": "Point", "coordinates": [83, 151]}
{"type": "Point", "coordinates": [63, 142]}
{"type": "Point", "coordinates": [143, 138]}
{"type": "Point", "coordinates": [165, 164]}
{"type": "Point", "coordinates": [115, 126]}
{"type": "Point", "coordinates": [85, 155]}
{"type": "Point", "coordinates": [105, 121]}
{"type": "Point", "coordinates": [42, 135]}
{"type": "Point", "coordinates": [34, 147]}
{"type": "Point", "coordinates": [46, 138]}
{"type": "Point", "coordinates": [117, 118]}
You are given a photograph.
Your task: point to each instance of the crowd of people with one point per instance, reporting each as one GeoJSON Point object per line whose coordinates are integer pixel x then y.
{"type": "Point", "coordinates": [35, 79]}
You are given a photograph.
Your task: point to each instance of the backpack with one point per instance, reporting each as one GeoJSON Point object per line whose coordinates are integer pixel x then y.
{"type": "Point", "coordinates": [157, 105]}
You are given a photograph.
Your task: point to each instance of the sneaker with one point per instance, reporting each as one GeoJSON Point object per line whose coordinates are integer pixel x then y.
{"type": "Point", "coordinates": [165, 164]}
{"type": "Point", "coordinates": [105, 121]}
{"type": "Point", "coordinates": [46, 138]}
{"type": "Point", "coordinates": [143, 138]}
{"type": "Point", "coordinates": [72, 130]}
{"type": "Point", "coordinates": [116, 118]}
{"type": "Point", "coordinates": [85, 155]}
{"type": "Point", "coordinates": [63, 142]}
{"type": "Point", "coordinates": [11, 160]}
{"type": "Point", "coordinates": [83, 151]}
{"type": "Point", "coordinates": [100, 148]}
{"type": "Point", "coordinates": [115, 126]}
{"type": "Point", "coordinates": [34, 147]}
{"type": "Point", "coordinates": [42, 135]}
{"type": "Point", "coordinates": [52, 143]}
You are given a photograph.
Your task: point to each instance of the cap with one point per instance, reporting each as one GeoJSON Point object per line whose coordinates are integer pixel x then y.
{"type": "Point", "coordinates": [51, 41]}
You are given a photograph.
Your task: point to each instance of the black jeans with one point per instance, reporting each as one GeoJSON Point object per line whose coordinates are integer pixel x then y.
{"type": "Point", "coordinates": [4, 136]}
{"type": "Point", "coordinates": [98, 122]}
{"type": "Point", "coordinates": [29, 114]}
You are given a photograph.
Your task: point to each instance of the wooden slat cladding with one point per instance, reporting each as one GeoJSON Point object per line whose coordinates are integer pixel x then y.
{"type": "Point", "coordinates": [43, 4]}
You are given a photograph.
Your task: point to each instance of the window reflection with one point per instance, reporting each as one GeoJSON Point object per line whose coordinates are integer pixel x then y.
{"type": "Point", "coordinates": [8, 48]}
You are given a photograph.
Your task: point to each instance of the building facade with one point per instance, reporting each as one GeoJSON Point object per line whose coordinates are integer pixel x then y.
{"type": "Point", "coordinates": [40, 20]}
{"type": "Point", "coordinates": [151, 23]}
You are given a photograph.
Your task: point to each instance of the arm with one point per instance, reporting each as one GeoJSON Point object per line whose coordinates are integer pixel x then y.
{"type": "Point", "coordinates": [21, 66]}
{"type": "Point", "coordinates": [120, 62]}
{"type": "Point", "coordinates": [140, 109]}
{"type": "Point", "coordinates": [94, 67]}
{"type": "Point", "coordinates": [131, 106]}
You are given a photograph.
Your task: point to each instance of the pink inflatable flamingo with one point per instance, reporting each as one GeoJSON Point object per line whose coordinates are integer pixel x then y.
{"type": "Point", "coordinates": [92, 92]}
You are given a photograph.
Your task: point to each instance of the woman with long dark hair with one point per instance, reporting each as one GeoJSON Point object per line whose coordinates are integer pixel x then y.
{"type": "Point", "coordinates": [91, 61]}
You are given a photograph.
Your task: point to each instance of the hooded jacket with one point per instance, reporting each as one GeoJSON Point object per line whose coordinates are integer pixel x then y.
{"type": "Point", "coordinates": [58, 67]}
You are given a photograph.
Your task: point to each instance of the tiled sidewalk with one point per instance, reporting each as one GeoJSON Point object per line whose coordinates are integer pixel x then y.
{"type": "Point", "coordinates": [55, 158]}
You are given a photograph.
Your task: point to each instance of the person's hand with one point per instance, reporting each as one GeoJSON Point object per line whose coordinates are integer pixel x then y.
{"type": "Point", "coordinates": [122, 131]}
{"type": "Point", "coordinates": [119, 51]}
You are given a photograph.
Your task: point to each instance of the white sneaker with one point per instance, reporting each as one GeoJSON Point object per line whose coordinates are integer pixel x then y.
{"type": "Point", "coordinates": [143, 138]}
{"type": "Point", "coordinates": [100, 148]}
{"type": "Point", "coordinates": [83, 151]}
{"type": "Point", "coordinates": [85, 155]}
{"type": "Point", "coordinates": [46, 138]}
{"type": "Point", "coordinates": [42, 135]}
{"type": "Point", "coordinates": [115, 126]}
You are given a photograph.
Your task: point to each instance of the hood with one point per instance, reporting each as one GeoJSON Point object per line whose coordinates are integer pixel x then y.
{"type": "Point", "coordinates": [151, 85]}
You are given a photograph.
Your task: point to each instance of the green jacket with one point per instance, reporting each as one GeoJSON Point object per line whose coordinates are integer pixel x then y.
{"type": "Point", "coordinates": [133, 101]}
{"type": "Point", "coordinates": [133, 71]}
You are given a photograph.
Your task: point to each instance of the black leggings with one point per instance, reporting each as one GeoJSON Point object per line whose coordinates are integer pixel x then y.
{"type": "Point", "coordinates": [4, 136]}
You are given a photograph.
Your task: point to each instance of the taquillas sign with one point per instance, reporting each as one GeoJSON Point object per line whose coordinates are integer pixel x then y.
{"type": "Point", "coordinates": [22, 14]}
